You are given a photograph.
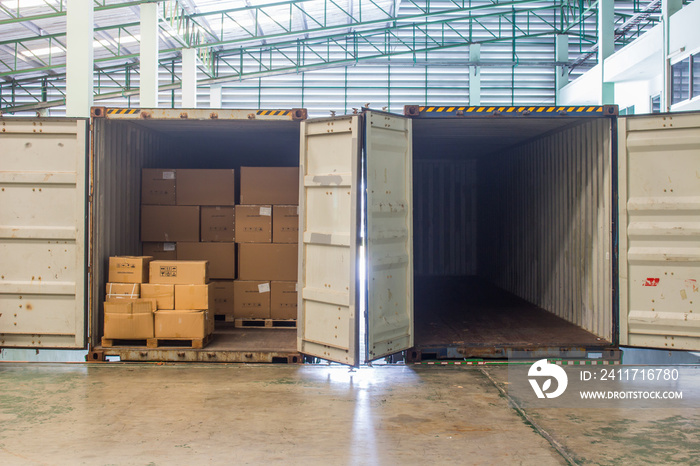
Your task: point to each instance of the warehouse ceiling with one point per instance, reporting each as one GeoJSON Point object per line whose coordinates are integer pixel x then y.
{"type": "Point", "coordinates": [321, 54]}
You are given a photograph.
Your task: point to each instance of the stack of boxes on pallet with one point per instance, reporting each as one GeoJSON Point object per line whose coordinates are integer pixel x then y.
{"type": "Point", "coordinates": [189, 214]}
{"type": "Point", "coordinates": [267, 233]}
{"type": "Point", "coordinates": [157, 300]}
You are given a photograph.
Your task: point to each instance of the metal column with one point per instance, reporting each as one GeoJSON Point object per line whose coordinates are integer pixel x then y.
{"type": "Point", "coordinates": [79, 58]}
{"type": "Point", "coordinates": [148, 88]}
{"type": "Point", "coordinates": [606, 45]}
{"type": "Point", "coordinates": [189, 78]}
{"type": "Point", "coordinates": [215, 96]}
{"type": "Point", "coordinates": [475, 75]}
{"type": "Point", "coordinates": [668, 8]}
{"type": "Point", "coordinates": [561, 55]}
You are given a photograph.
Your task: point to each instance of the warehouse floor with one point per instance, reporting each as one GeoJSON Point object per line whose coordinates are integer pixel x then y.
{"type": "Point", "coordinates": [117, 413]}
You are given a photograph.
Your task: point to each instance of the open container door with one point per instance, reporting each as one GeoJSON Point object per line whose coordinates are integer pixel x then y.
{"type": "Point", "coordinates": [659, 211]}
{"type": "Point", "coordinates": [389, 234]}
{"type": "Point", "coordinates": [329, 220]}
{"type": "Point", "coordinates": [42, 232]}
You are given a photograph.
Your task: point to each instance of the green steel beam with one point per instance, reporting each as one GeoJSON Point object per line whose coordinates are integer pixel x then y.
{"type": "Point", "coordinates": [61, 11]}
{"type": "Point", "coordinates": [286, 35]}
{"type": "Point", "coordinates": [348, 49]}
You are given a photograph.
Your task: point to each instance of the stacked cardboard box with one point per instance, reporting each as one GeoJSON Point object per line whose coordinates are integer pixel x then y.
{"type": "Point", "coordinates": [127, 315]}
{"type": "Point", "coordinates": [157, 299]}
{"type": "Point", "coordinates": [189, 214]}
{"type": "Point", "coordinates": [184, 286]}
{"type": "Point", "coordinates": [267, 229]}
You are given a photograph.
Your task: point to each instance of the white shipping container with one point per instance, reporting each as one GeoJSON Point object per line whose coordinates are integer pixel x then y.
{"type": "Point", "coordinates": [534, 229]}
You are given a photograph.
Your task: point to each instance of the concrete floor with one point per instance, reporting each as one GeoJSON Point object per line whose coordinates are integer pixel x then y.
{"type": "Point", "coordinates": [146, 414]}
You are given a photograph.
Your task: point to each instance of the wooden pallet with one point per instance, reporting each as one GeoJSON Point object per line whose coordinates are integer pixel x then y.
{"type": "Point", "coordinates": [264, 323]}
{"type": "Point", "coordinates": [194, 343]}
{"type": "Point", "coordinates": [112, 342]}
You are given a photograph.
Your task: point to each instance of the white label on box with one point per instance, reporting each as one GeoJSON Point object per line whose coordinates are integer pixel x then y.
{"type": "Point", "coordinates": [168, 246]}
{"type": "Point", "coordinates": [264, 288]}
{"type": "Point", "coordinates": [296, 287]}
{"type": "Point", "coordinates": [168, 175]}
{"type": "Point", "coordinates": [297, 210]}
{"type": "Point", "coordinates": [266, 211]}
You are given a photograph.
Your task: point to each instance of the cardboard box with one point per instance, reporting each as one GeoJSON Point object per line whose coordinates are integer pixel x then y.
{"type": "Point", "coordinates": [179, 272]}
{"type": "Point", "coordinates": [158, 186]}
{"type": "Point", "coordinates": [273, 262]}
{"type": "Point", "coordinates": [194, 297]}
{"type": "Point", "coordinates": [270, 185]}
{"type": "Point", "coordinates": [163, 294]}
{"type": "Point", "coordinates": [283, 300]}
{"type": "Point", "coordinates": [160, 251]}
{"type": "Point", "coordinates": [117, 291]}
{"type": "Point", "coordinates": [129, 269]}
{"type": "Point", "coordinates": [221, 257]}
{"type": "Point", "coordinates": [253, 223]}
{"type": "Point", "coordinates": [206, 187]}
{"type": "Point", "coordinates": [217, 224]}
{"type": "Point", "coordinates": [251, 299]}
{"type": "Point", "coordinates": [128, 320]}
{"type": "Point", "coordinates": [151, 301]}
{"type": "Point", "coordinates": [285, 224]}
{"type": "Point", "coordinates": [222, 292]}
{"type": "Point", "coordinates": [185, 324]}
{"type": "Point", "coordinates": [169, 223]}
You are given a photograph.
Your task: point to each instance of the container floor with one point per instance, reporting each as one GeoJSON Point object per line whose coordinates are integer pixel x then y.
{"type": "Point", "coordinates": [229, 338]}
{"type": "Point", "coordinates": [228, 344]}
{"type": "Point", "coordinates": [473, 315]}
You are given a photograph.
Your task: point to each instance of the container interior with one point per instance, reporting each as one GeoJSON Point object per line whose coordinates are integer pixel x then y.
{"type": "Point", "coordinates": [123, 147]}
{"type": "Point", "coordinates": [512, 223]}
{"type": "Point", "coordinates": [512, 234]}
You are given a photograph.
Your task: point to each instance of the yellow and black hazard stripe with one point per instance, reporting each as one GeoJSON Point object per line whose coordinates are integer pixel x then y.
{"type": "Point", "coordinates": [523, 110]}
{"type": "Point", "coordinates": [123, 111]}
{"type": "Point", "coordinates": [274, 112]}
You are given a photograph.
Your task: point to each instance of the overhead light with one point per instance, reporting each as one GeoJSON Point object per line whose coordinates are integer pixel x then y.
{"type": "Point", "coordinates": [42, 52]}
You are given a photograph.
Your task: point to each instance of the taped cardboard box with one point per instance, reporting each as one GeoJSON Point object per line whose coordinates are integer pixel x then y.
{"type": "Point", "coordinates": [273, 262]}
{"type": "Point", "coordinates": [206, 187]}
{"type": "Point", "coordinates": [117, 291]}
{"type": "Point", "coordinates": [129, 269]}
{"type": "Point", "coordinates": [161, 223]}
{"type": "Point", "coordinates": [285, 224]}
{"type": "Point", "coordinates": [221, 257]}
{"type": "Point", "coordinates": [218, 224]}
{"type": "Point", "coordinates": [158, 186]}
{"type": "Point", "coordinates": [270, 185]}
{"type": "Point", "coordinates": [163, 294]}
{"type": "Point", "coordinates": [222, 292]}
{"type": "Point", "coordinates": [179, 272]}
{"type": "Point", "coordinates": [253, 223]}
{"type": "Point", "coordinates": [283, 300]}
{"type": "Point", "coordinates": [161, 251]}
{"type": "Point", "coordinates": [251, 299]}
{"type": "Point", "coordinates": [194, 297]}
{"type": "Point", "coordinates": [128, 320]}
{"type": "Point", "coordinates": [151, 301]}
{"type": "Point", "coordinates": [183, 324]}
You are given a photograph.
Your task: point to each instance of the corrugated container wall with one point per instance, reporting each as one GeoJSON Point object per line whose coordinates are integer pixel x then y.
{"type": "Point", "coordinates": [545, 223]}
{"type": "Point", "coordinates": [445, 242]}
{"type": "Point", "coordinates": [120, 151]}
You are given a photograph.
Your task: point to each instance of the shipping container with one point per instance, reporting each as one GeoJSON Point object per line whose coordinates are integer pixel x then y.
{"type": "Point", "coordinates": [459, 231]}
